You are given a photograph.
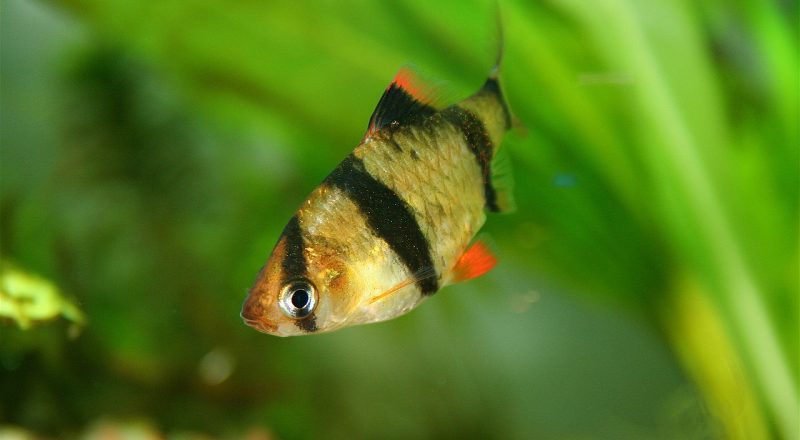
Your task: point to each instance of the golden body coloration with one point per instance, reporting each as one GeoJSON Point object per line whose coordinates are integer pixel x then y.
{"type": "Point", "coordinates": [392, 223]}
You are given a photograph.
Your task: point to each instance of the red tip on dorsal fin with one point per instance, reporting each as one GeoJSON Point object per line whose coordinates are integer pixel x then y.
{"type": "Point", "coordinates": [407, 100]}
{"type": "Point", "coordinates": [474, 262]}
{"type": "Point", "coordinates": [410, 81]}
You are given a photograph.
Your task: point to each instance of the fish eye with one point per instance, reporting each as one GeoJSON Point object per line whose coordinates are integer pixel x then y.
{"type": "Point", "coordinates": [298, 299]}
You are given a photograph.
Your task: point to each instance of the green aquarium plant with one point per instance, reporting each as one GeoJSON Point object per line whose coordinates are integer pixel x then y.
{"type": "Point", "coordinates": [26, 299]}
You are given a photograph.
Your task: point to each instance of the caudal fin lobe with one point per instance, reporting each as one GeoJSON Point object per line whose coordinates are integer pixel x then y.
{"type": "Point", "coordinates": [490, 107]}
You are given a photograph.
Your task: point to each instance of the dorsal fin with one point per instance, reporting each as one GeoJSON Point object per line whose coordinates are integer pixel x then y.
{"type": "Point", "coordinates": [406, 100]}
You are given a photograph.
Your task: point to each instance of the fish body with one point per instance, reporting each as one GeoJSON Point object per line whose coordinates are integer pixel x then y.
{"type": "Point", "coordinates": [392, 224]}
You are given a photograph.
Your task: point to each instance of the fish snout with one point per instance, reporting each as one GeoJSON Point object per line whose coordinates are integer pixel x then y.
{"type": "Point", "coordinates": [253, 314]}
{"type": "Point", "coordinates": [259, 325]}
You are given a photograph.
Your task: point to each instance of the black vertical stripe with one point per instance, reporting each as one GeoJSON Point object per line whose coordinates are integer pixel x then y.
{"type": "Point", "coordinates": [295, 265]}
{"type": "Point", "coordinates": [294, 260]}
{"type": "Point", "coordinates": [480, 144]}
{"type": "Point", "coordinates": [389, 217]}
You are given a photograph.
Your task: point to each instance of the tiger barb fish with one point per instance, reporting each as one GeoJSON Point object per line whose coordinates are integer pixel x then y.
{"type": "Point", "coordinates": [393, 223]}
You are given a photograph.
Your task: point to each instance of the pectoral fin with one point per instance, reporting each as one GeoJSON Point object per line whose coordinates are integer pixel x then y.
{"type": "Point", "coordinates": [421, 274]}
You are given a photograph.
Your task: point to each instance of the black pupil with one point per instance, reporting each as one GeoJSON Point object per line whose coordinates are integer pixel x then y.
{"type": "Point", "coordinates": [300, 298]}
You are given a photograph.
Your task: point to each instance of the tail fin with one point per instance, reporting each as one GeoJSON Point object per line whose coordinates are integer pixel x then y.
{"type": "Point", "coordinates": [503, 181]}
{"type": "Point", "coordinates": [502, 177]}
{"type": "Point", "coordinates": [492, 84]}
{"type": "Point", "coordinates": [489, 106]}
{"type": "Point", "coordinates": [500, 43]}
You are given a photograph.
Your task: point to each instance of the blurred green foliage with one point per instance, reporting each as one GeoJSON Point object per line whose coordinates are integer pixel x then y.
{"type": "Point", "coordinates": [26, 299]}
{"type": "Point", "coordinates": [152, 152]}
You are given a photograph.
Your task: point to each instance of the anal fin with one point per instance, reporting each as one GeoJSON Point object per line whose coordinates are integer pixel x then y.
{"type": "Point", "coordinates": [477, 260]}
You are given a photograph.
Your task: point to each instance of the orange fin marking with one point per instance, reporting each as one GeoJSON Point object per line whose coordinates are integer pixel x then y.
{"type": "Point", "coordinates": [407, 100]}
{"type": "Point", "coordinates": [410, 81]}
{"type": "Point", "coordinates": [476, 261]}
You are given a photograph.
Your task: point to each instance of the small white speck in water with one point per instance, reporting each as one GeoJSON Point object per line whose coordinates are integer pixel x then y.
{"type": "Point", "coordinates": [216, 366]}
{"type": "Point", "coordinates": [520, 303]}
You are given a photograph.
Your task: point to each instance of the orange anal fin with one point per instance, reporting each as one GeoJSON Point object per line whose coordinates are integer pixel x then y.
{"type": "Point", "coordinates": [474, 262]}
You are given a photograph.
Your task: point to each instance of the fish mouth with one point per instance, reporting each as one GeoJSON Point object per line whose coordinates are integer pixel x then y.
{"type": "Point", "coordinates": [260, 325]}
{"type": "Point", "coordinates": [253, 315]}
